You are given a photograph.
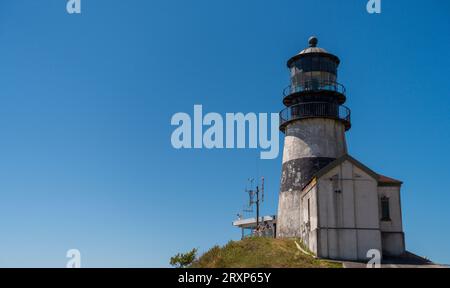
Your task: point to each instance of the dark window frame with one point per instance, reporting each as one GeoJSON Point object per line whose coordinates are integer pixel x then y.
{"type": "Point", "coordinates": [385, 209]}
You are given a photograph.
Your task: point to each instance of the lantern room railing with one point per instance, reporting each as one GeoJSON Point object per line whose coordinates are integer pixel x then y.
{"type": "Point", "coordinates": [315, 85]}
{"type": "Point", "coordinates": [315, 110]}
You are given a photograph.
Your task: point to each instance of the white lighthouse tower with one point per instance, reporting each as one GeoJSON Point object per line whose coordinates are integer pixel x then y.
{"type": "Point", "coordinates": [340, 208]}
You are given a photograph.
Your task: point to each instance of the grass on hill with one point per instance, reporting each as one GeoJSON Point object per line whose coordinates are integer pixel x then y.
{"type": "Point", "coordinates": [260, 253]}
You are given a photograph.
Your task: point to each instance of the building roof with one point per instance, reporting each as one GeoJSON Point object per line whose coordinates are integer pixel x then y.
{"type": "Point", "coordinates": [251, 222]}
{"type": "Point", "coordinates": [382, 180]}
{"type": "Point", "coordinates": [387, 181]}
{"type": "Point", "coordinates": [313, 50]}
{"type": "Point", "coordinates": [313, 41]}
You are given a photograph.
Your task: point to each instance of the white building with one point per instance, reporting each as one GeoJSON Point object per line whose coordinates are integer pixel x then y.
{"type": "Point", "coordinates": [347, 210]}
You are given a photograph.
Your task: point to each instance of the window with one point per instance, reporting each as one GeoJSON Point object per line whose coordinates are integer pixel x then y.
{"type": "Point", "coordinates": [333, 68]}
{"type": "Point", "coordinates": [315, 64]}
{"type": "Point", "coordinates": [326, 65]}
{"type": "Point", "coordinates": [299, 65]}
{"type": "Point", "coordinates": [307, 64]}
{"type": "Point", "coordinates": [385, 209]}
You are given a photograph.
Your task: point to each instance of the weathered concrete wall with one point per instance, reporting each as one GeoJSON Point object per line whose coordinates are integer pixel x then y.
{"type": "Point", "coordinates": [288, 219]}
{"type": "Point", "coordinates": [314, 138]}
{"type": "Point", "coordinates": [309, 217]}
{"type": "Point", "coordinates": [392, 231]}
{"type": "Point", "coordinates": [348, 213]}
{"type": "Point", "coordinates": [393, 243]}
{"type": "Point", "coordinates": [393, 193]}
{"type": "Point", "coordinates": [366, 199]}
{"type": "Point", "coordinates": [310, 145]}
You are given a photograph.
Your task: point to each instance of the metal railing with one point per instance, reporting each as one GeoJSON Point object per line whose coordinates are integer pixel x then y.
{"type": "Point", "coordinates": [315, 85]}
{"type": "Point", "coordinates": [316, 110]}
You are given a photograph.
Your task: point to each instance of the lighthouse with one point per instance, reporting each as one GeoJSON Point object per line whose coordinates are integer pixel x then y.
{"type": "Point", "coordinates": [314, 124]}
{"type": "Point", "coordinates": [340, 208]}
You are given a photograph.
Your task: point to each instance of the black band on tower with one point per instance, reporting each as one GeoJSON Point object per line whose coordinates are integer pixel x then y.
{"type": "Point", "coordinates": [298, 173]}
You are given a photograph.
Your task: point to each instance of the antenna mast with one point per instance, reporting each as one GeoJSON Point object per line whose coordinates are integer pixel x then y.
{"type": "Point", "coordinates": [252, 193]}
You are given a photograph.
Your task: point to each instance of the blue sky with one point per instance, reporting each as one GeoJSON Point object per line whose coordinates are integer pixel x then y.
{"type": "Point", "coordinates": [86, 101]}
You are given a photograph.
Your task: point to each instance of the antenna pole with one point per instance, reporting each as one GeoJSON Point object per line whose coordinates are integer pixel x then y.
{"type": "Point", "coordinates": [259, 198]}
{"type": "Point", "coordinates": [257, 206]}
{"type": "Point", "coordinates": [262, 188]}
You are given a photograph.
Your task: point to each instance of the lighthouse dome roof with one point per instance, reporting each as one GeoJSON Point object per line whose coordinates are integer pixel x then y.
{"type": "Point", "coordinates": [313, 41]}
{"type": "Point", "coordinates": [313, 49]}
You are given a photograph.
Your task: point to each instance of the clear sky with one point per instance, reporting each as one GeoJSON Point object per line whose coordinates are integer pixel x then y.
{"type": "Point", "coordinates": [86, 100]}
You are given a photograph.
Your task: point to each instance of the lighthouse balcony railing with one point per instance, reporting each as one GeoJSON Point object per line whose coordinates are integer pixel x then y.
{"type": "Point", "coordinates": [315, 85]}
{"type": "Point", "coordinates": [315, 110]}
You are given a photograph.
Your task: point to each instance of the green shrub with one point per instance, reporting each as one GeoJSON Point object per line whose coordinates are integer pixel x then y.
{"type": "Point", "coordinates": [183, 260]}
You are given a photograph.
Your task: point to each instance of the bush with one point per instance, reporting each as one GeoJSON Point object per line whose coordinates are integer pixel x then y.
{"type": "Point", "coordinates": [183, 260]}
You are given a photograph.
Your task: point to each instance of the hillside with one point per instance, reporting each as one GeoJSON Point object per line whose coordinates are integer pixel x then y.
{"type": "Point", "coordinates": [260, 253]}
